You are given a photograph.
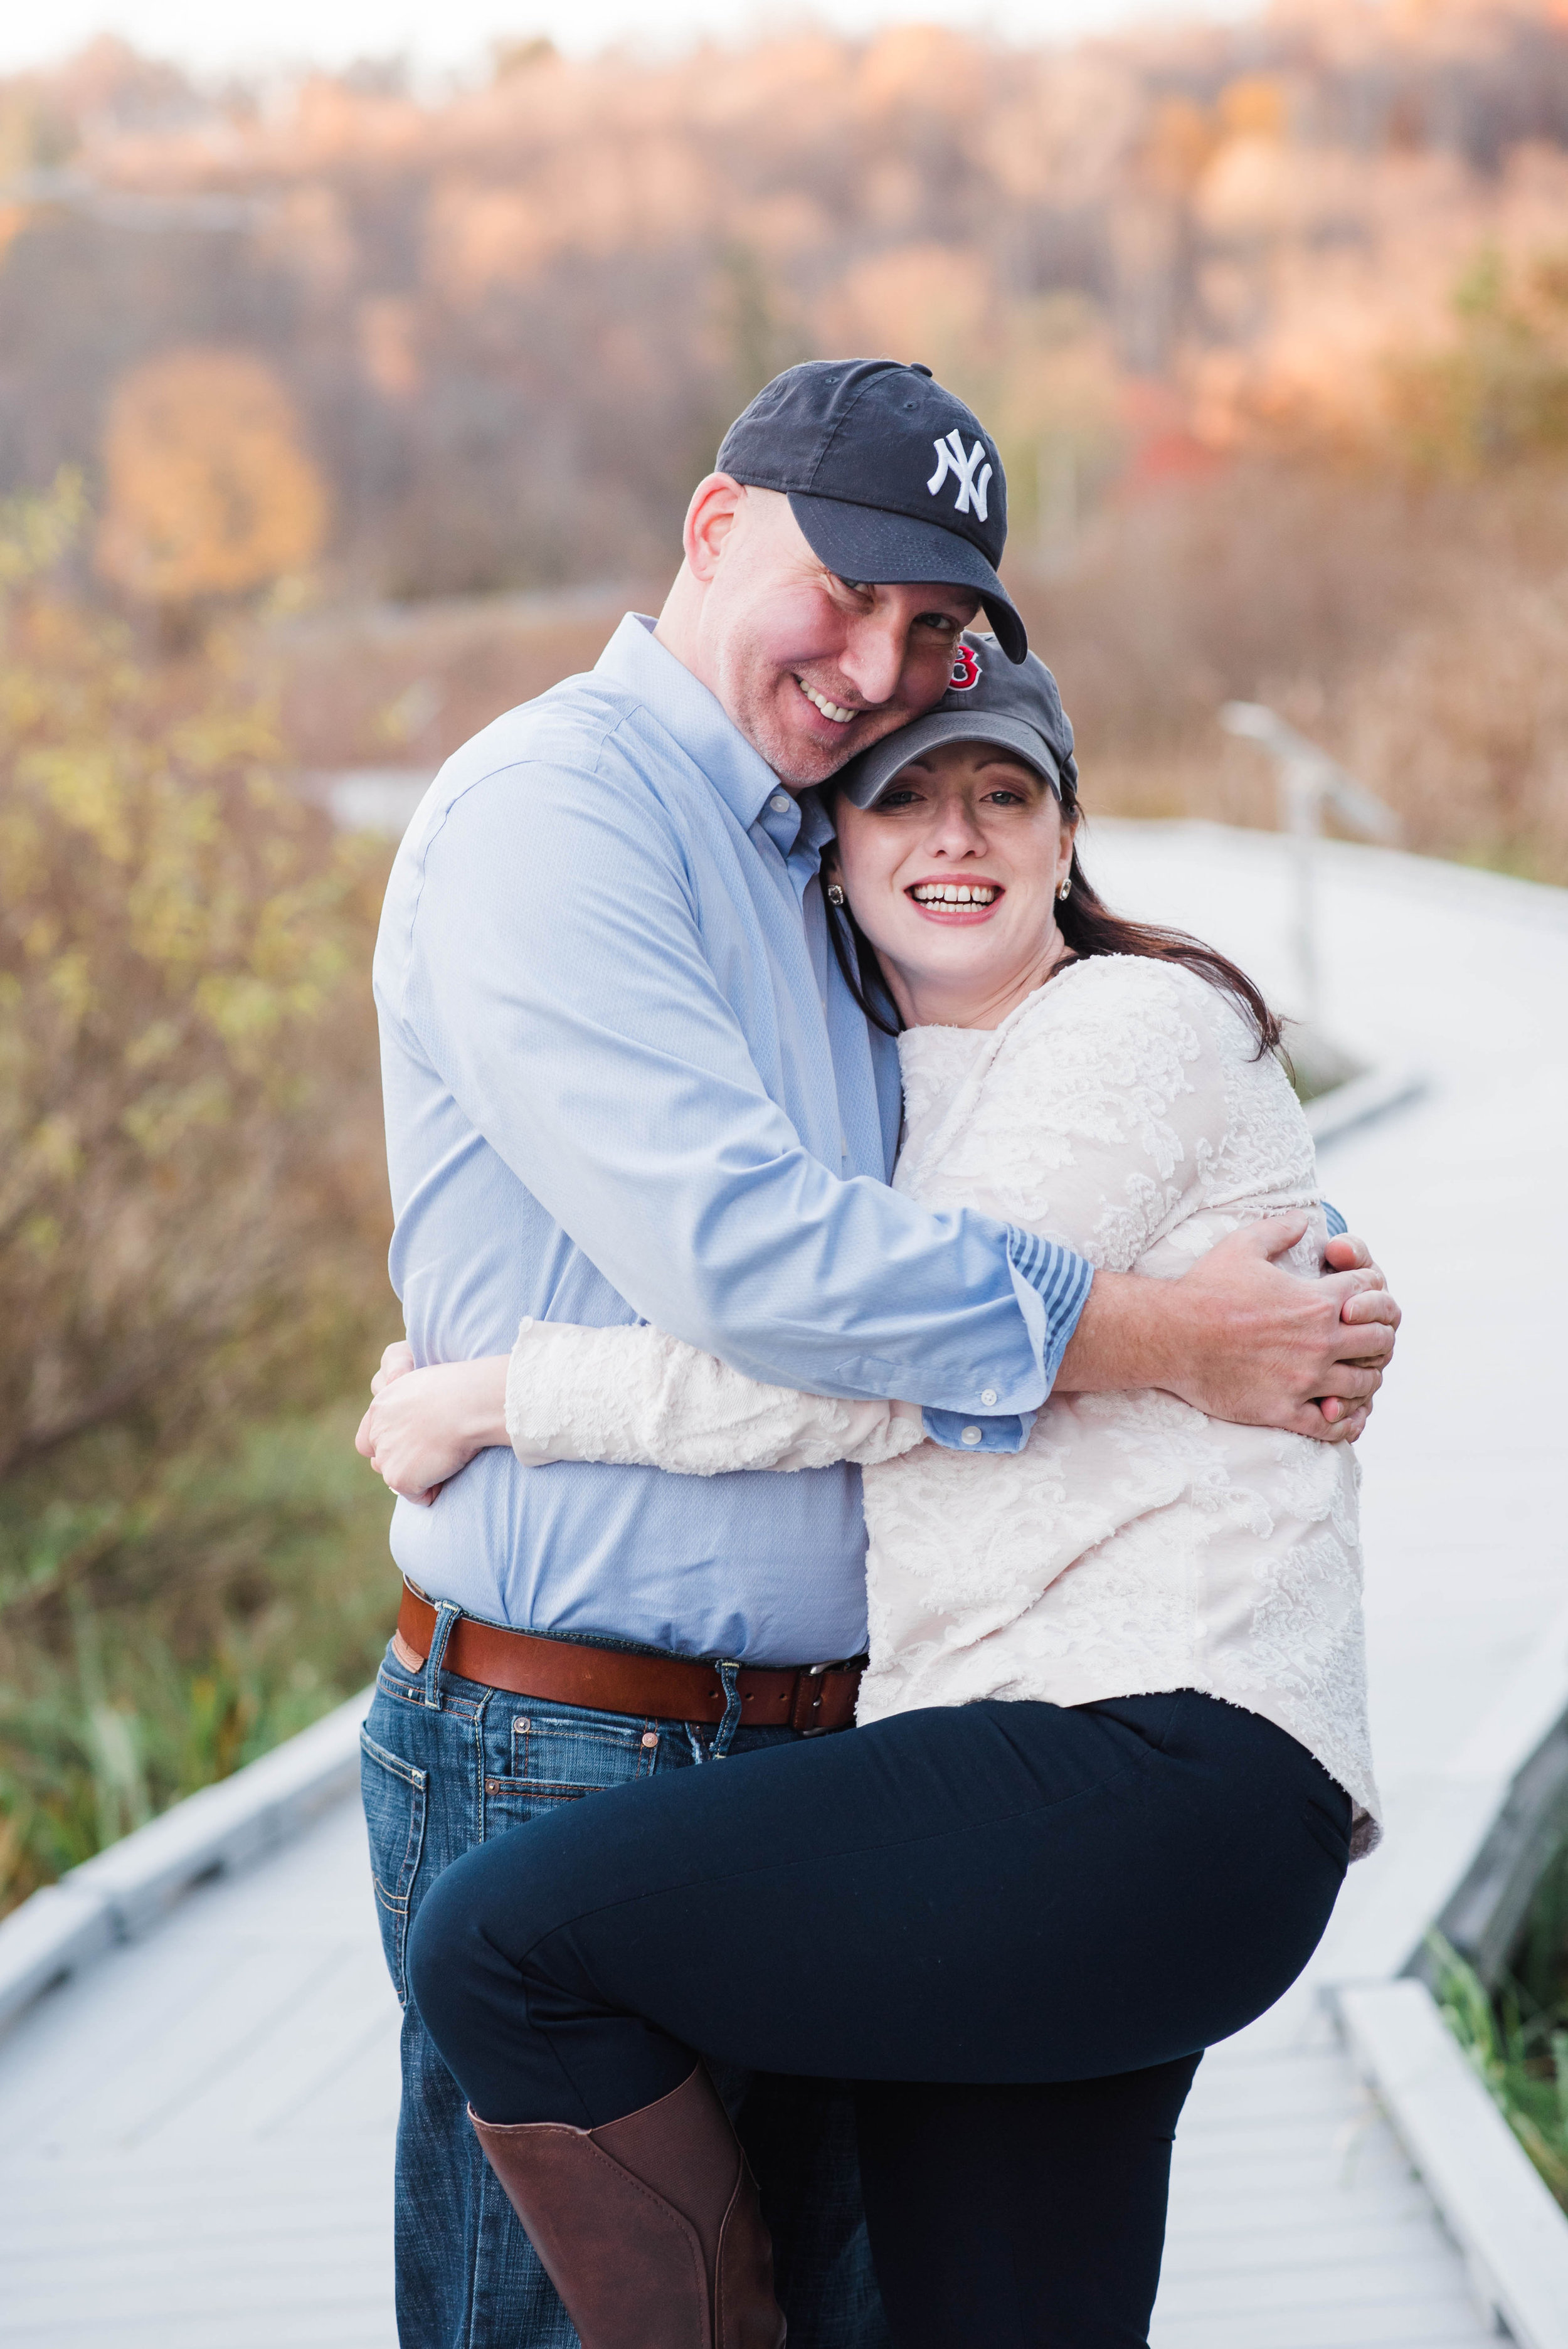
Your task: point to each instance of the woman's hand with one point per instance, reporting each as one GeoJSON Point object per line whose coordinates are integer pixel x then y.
{"type": "Point", "coordinates": [424, 1425]}
{"type": "Point", "coordinates": [1371, 1306]}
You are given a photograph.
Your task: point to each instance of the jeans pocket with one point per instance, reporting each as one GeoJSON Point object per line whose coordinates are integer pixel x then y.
{"type": "Point", "coordinates": [394, 1795]}
{"type": "Point", "coordinates": [558, 1757]}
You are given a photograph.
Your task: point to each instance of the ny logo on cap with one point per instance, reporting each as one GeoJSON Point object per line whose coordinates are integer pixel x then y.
{"type": "Point", "coordinates": [950, 459]}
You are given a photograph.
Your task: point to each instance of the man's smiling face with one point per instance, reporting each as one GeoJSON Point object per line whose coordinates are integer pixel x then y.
{"type": "Point", "coordinates": [810, 667]}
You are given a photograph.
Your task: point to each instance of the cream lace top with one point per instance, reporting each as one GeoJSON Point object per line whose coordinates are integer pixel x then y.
{"type": "Point", "coordinates": [1133, 1544]}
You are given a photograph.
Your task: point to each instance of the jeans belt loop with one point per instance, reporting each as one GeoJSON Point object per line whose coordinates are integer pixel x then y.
{"type": "Point", "coordinates": [447, 1616]}
{"type": "Point", "coordinates": [729, 1681]}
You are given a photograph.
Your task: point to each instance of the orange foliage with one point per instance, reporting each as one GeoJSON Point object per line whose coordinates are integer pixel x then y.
{"type": "Point", "coordinates": [521, 313]}
{"type": "Point", "coordinates": [209, 491]}
{"type": "Point", "coordinates": [1255, 106]}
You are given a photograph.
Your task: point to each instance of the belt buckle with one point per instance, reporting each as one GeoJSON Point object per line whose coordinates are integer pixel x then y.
{"type": "Point", "coordinates": [815, 1672]}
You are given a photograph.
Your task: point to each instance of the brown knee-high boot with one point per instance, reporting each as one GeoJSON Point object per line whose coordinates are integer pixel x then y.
{"type": "Point", "coordinates": [648, 2228]}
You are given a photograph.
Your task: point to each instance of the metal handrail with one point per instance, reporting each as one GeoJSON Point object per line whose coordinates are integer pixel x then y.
{"type": "Point", "coordinates": [1310, 783]}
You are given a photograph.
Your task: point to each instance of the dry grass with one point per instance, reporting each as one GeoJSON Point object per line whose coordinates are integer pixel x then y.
{"type": "Point", "coordinates": [1415, 628]}
{"type": "Point", "coordinates": [385, 684]}
{"type": "Point", "coordinates": [169, 1616]}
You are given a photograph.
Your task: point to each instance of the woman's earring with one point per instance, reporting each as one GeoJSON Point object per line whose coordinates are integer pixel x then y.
{"type": "Point", "coordinates": [835, 895]}
{"type": "Point", "coordinates": [1065, 891]}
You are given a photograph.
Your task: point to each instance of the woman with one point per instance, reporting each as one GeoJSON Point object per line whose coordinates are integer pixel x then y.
{"type": "Point", "coordinates": [1112, 1757]}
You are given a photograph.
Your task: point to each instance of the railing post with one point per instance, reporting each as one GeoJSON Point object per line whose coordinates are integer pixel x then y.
{"type": "Point", "coordinates": [1307, 779]}
{"type": "Point", "coordinates": [1301, 816]}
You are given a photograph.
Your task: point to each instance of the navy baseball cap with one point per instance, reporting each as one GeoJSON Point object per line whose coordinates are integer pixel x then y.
{"type": "Point", "coordinates": [1013, 704]}
{"type": "Point", "coordinates": [890, 476]}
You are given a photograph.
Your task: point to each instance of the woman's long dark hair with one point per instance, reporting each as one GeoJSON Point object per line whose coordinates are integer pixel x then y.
{"type": "Point", "coordinates": [1088, 927]}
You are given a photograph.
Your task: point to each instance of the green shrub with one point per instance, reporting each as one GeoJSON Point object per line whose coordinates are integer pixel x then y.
{"type": "Point", "coordinates": [1517, 2038]}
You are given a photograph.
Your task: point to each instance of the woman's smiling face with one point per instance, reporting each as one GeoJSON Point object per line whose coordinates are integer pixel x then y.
{"type": "Point", "coordinates": [953, 876]}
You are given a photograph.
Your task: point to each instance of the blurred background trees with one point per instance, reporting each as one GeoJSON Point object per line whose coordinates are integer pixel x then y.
{"type": "Point", "coordinates": [1220, 290]}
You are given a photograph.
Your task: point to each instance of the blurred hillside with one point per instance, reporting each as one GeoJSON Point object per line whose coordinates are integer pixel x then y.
{"type": "Point", "coordinates": [1271, 321]}
{"type": "Point", "coordinates": [509, 328]}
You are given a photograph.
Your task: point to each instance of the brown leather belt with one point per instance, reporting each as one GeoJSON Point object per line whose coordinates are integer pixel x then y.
{"type": "Point", "coordinates": [807, 1697]}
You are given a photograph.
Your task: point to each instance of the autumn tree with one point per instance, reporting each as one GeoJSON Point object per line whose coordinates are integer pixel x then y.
{"type": "Point", "coordinates": [181, 939]}
{"type": "Point", "coordinates": [209, 491]}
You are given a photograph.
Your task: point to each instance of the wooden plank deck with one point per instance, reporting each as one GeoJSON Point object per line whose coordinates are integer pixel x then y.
{"type": "Point", "coordinates": [196, 2136]}
{"type": "Point", "coordinates": [1295, 2220]}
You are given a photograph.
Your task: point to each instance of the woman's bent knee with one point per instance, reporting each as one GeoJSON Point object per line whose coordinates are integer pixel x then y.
{"type": "Point", "coordinates": [446, 1957]}
{"type": "Point", "coordinates": [475, 1950]}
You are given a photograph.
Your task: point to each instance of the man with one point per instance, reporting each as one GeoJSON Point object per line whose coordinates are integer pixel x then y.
{"type": "Point", "coordinates": [625, 1078]}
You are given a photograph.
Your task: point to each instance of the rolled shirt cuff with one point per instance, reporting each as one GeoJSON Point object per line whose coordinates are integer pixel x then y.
{"type": "Point", "coordinates": [1051, 1285]}
{"type": "Point", "coordinates": [957, 1432]}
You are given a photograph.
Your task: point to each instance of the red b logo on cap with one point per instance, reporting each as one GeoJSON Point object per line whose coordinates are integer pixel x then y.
{"type": "Point", "coordinates": [965, 670]}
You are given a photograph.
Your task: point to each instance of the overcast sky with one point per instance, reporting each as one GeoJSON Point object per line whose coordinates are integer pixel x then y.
{"type": "Point", "coordinates": [216, 35]}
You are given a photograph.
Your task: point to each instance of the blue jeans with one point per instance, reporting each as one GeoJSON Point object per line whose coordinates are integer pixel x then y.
{"type": "Point", "coordinates": [446, 1765]}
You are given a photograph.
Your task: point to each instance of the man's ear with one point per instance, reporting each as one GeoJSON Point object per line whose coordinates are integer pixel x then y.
{"type": "Point", "coordinates": [714, 510]}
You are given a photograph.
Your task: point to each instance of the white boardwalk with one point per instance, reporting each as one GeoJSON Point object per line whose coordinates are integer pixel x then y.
{"type": "Point", "coordinates": [1295, 2223]}
{"type": "Point", "coordinates": [195, 2138]}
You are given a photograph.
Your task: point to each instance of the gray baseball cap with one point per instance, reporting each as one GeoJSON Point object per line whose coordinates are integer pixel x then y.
{"type": "Point", "coordinates": [989, 699]}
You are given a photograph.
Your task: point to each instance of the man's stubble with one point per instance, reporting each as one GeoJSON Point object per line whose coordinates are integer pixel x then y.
{"type": "Point", "coordinates": [794, 757]}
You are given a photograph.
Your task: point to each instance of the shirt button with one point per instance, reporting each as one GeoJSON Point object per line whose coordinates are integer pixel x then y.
{"type": "Point", "coordinates": [970, 1435]}
{"type": "Point", "coordinates": [780, 802]}
{"type": "Point", "coordinates": [988, 1396]}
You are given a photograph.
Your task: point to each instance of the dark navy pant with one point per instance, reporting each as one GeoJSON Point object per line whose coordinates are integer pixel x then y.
{"type": "Point", "coordinates": [1017, 1925]}
{"type": "Point", "coordinates": [447, 1766]}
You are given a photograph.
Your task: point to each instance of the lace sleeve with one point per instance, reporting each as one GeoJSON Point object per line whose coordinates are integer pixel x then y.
{"type": "Point", "coordinates": [637, 1398]}
{"type": "Point", "coordinates": [1105, 1111]}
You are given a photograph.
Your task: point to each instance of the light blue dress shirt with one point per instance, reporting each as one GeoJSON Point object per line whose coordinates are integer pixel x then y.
{"type": "Point", "coordinates": [624, 1079]}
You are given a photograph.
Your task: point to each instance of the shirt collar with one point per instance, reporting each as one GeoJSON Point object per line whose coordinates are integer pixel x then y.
{"type": "Point", "coordinates": [685, 707]}
{"type": "Point", "coordinates": [817, 826]}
